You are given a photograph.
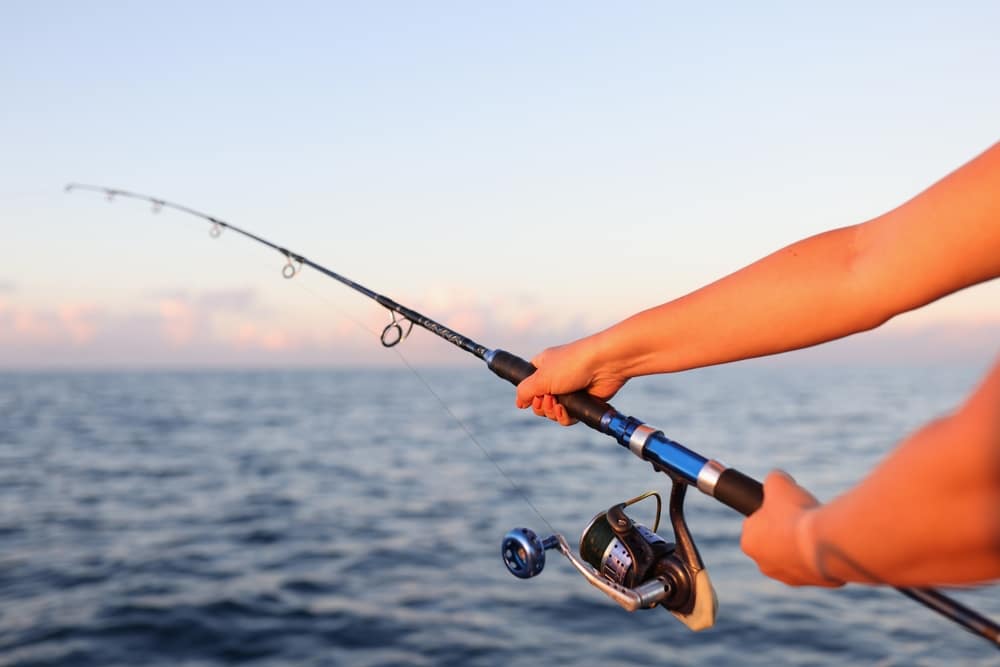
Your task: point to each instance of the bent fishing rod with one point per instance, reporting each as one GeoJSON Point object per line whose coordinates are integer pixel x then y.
{"type": "Point", "coordinates": [630, 563]}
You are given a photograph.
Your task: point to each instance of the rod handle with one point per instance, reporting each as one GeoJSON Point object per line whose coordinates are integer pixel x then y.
{"type": "Point", "coordinates": [580, 405]}
{"type": "Point", "coordinates": [744, 494]}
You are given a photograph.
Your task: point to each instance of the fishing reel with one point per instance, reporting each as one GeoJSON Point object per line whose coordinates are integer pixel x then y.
{"type": "Point", "coordinates": [630, 563]}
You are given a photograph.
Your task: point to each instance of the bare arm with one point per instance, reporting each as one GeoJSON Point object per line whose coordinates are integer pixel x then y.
{"type": "Point", "coordinates": [824, 287]}
{"type": "Point", "coordinates": [928, 515]}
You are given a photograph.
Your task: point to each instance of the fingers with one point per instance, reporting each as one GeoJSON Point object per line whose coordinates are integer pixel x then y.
{"type": "Point", "coordinates": [528, 390]}
{"type": "Point", "coordinates": [536, 391]}
{"type": "Point", "coordinates": [781, 489]}
{"type": "Point", "coordinates": [547, 406]}
{"type": "Point", "coordinates": [779, 535]}
{"type": "Point", "coordinates": [778, 478]}
{"type": "Point", "coordinates": [563, 417]}
{"type": "Point", "coordinates": [535, 385]}
{"type": "Point", "coordinates": [779, 483]}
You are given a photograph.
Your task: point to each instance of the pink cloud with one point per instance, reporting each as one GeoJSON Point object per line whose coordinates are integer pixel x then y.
{"type": "Point", "coordinates": [78, 322]}
{"type": "Point", "coordinates": [30, 324]}
{"type": "Point", "coordinates": [250, 336]}
{"type": "Point", "coordinates": [275, 340]}
{"type": "Point", "coordinates": [470, 322]}
{"type": "Point", "coordinates": [23, 323]}
{"type": "Point", "coordinates": [236, 328]}
{"type": "Point", "coordinates": [178, 321]}
{"type": "Point", "coordinates": [525, 322]}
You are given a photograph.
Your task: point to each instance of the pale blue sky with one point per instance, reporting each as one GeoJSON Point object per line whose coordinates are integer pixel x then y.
{"type": "Point", "coordinates": [534, 170]}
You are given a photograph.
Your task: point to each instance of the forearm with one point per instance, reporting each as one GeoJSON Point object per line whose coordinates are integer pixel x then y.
{"type": "Point", "coordinates": [929, 514]}
{"type": "Point", "coordinates": [828, 286]}
{"type": "Point", "coordinates": [824, 287]}
{"type": "Point", "coordinates": [799, 296]}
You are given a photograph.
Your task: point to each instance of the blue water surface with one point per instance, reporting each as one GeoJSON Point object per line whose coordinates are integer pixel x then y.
{"type": "Point", "coordinates": [353, 517]}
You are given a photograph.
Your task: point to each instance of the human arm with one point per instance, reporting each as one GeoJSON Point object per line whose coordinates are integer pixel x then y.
{"type": "Point", "coordinates": [821, 288]}
{"type": "Point", "coordinates": [927, 515]}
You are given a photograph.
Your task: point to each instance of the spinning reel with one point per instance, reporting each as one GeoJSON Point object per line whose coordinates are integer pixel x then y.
{"type": "Point", "coordinates": [630, 563]}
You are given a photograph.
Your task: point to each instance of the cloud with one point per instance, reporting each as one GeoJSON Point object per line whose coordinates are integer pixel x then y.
{"type": "Point", "coordinates": [238, 328]}
{"type": "Point", "coordinates": [252, 336]}
{"type": "Point", "coordinates": [19, 323]}
{"type": "Point", "coordinates": [187, 316]}
{"type": "Point", "coordinates": [234, 300]}
{"type": "Point", "coordinates": [7, 287]}
{"type": "Point", "coordinates": [215, 327]}
{"type": "Point", "coordinates": [80, 321]}
{"type": "Point", "coordinates": [239, 300]}
{"type": "Point", "coordinates": [178, 321]}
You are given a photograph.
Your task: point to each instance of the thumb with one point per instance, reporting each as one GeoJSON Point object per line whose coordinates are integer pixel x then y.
{"type": "Point", "coordinates": [779, 480]}
{"type": "Point", "coordinates": [528, 389]}
{"type": "Point", "coordinates": [779, 485]}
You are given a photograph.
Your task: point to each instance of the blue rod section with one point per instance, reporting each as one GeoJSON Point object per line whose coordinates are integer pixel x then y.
{"type": "Point", "coordinates": [674, 456]}
{"type": "Point", "coordinates": [659, 450]}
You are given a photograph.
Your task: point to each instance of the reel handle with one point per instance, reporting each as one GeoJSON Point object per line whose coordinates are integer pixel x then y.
{"type": "Point", "coordinates": [523, 552]}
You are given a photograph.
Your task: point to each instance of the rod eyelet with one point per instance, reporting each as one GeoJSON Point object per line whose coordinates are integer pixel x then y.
{"type": "Point", "coordinates": [393, 334]}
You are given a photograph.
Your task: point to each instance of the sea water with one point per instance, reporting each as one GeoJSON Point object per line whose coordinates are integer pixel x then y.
{"type": "Point", "coordinates": [354, 517]}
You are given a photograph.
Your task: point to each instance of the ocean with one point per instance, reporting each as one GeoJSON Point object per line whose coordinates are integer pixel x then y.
{"type": "Point", "coordinates": [354, 517]}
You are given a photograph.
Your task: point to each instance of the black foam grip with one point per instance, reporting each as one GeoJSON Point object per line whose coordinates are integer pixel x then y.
{"type": "Point", "coordinates": [588, 409]}
{"type": "Point", "coordinates": [510, 367]}
{"type": "Point", "coordinates": [744, 494]}
{"type": "Point", "coordinates": [580, 405]}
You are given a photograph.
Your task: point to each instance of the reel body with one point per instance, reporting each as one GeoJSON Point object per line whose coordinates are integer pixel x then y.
{"type": "Point", "coordinates": [630, 563]}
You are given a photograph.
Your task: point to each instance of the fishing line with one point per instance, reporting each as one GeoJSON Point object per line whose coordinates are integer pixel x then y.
{"type": "Point", "coordinates": [158, 206]}
{"type": "Point", "coordinates": [485, 452]}
{"type": "Point", "coordinates": [444, 405]}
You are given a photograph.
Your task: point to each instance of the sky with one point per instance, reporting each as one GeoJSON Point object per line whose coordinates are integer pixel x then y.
{"type": "Point", "coordinates": [524, 172]}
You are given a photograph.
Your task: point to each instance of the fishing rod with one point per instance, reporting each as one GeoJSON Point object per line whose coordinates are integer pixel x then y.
{"type": "Point", "coordinates": [630, 563]}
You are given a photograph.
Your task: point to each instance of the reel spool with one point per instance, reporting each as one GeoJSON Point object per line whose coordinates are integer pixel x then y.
{"type": "Point", "coordinates": [633, 565]}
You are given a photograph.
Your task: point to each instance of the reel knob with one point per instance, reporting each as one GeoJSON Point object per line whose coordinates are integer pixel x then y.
{"type": "Point", "coordinates": [523, 552]}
